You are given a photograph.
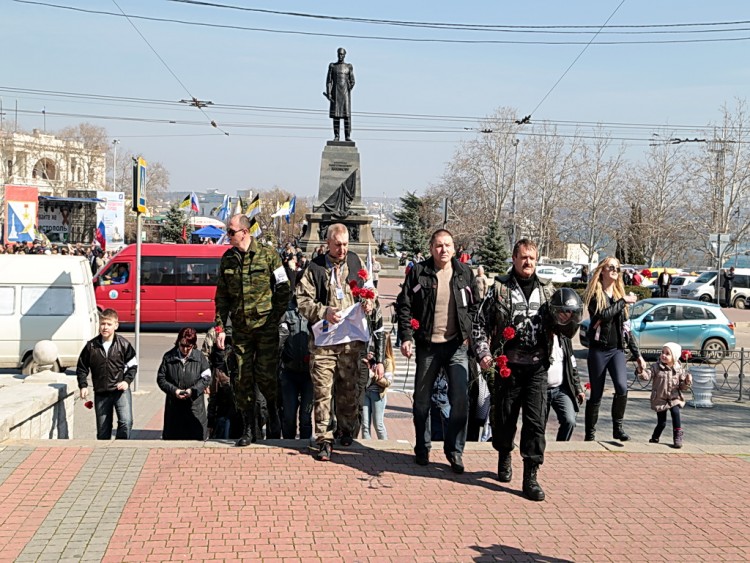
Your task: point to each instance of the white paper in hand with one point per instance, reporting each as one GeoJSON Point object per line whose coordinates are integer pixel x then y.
{"type": "Point", "coordinates": [352, 328]}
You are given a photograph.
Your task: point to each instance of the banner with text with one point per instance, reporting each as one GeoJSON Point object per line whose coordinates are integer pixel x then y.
{"type": "Point", "coordinates": [112, 212]}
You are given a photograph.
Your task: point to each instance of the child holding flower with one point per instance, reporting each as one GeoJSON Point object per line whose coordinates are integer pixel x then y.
{"type": "Point", "coordinates": [668, 380]}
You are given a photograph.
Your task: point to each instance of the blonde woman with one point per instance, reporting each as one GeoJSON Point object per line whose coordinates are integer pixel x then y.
{"type": "Point", "coordinates": [608, 310]}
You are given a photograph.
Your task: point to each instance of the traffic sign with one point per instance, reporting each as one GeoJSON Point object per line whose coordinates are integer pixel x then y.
{"type": "Point", "coordinates": [723, 238]}
{"type": "Point", "coordinates": [139, 185]}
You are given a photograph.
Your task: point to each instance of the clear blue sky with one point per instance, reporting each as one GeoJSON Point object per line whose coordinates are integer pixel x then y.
{"type": "Point", "coordinates": [51, 49]}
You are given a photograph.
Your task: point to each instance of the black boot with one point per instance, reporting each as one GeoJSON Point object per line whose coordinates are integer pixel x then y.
{"type": "Point", "coordinates": [247, 432]}
{"type": "Point", "coordinates": [592, 416]}
{"type": "Point", "coordinates": [531, 488]}
{"type": "Point", "coordinates": [657, 433]}
{"type": "Point", "coordinates": [504, 468]}
{"type": "Point", "coordinates": [618, 413]}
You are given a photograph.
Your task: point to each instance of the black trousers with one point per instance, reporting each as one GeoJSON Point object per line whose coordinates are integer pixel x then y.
{"type": "Point", "coordinates": [525, 392]}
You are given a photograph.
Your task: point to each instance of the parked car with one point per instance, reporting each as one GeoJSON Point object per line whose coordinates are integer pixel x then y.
{"type": "Point", "coordinates": [553, 274]}
{"type": "Point", "coordinates": [677, 283]}
{"type": "Point", "coordinates": [704, 288]}
{"type": "Point", "coordinates": [698, 327]}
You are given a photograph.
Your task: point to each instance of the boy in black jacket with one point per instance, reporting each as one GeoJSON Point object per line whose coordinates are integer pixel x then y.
{"type": "Point", "coordinates": [111, 360]}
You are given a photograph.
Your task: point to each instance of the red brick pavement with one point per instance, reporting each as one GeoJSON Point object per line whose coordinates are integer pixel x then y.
{"type": "Point", "coordinates": [30, 492]}
{"type": "Point", "coordinates": [278, 504]}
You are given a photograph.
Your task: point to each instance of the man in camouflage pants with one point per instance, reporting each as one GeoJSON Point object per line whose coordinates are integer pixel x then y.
{"type": "Point", "coordinates": [323, 293]}
{"type": "Point", "coordinates": [253, 289]}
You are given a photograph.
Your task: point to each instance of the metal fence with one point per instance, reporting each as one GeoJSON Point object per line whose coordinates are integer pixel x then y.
{"type": "Point", "coordinates": [730, 372]}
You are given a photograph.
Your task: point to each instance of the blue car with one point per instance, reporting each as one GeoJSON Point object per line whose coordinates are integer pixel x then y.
{"type": "Point", "coordinates": [696, 326]}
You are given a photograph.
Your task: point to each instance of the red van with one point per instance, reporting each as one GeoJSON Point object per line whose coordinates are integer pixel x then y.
{"type": "Point", "coordinates": [178, 284]}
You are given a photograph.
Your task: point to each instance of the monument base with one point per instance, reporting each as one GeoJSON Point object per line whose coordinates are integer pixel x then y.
{"type": "Point", "coordinates": [359, 226]}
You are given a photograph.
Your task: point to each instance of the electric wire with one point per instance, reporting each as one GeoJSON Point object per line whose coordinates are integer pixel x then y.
{"type": "Point", "coordinates": [174, 75]}
{"type": "Point", "coordinates": [576, 59]}
{"type": "Point", "coordinates": [382, 37]}
{"type": "Point", "coordinates": [473, 26]}
{"type": "Point", "coordinates": [315, 113]}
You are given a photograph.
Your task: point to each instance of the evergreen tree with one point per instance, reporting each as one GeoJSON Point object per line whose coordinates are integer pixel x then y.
{"type": "Point", "coordinates": [631, 244]}
{"type": "Point", "coordinates": [412, 218]}
{"type": "Point", "coordinates": [493, 250]}
{"type": "Point", "coordinates": [171, 229]}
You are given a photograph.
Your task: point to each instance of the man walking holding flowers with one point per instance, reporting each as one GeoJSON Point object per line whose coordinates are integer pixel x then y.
{"type": "Point", "coordinates": [437, 302]}
{"type": "Point", "coordinates": [508, 335]}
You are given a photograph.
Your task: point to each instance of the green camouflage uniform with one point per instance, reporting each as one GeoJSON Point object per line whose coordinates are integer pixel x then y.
{"type": "Point", "coordinates": [254, 291]}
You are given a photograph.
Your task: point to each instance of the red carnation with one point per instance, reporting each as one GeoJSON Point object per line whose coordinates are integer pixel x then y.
{"type": "Point", "coordinates": [353, 284]}
{"type": "Point", "coordinates": [509, 333]}
{"type": "Point", "coordinates": [501, 361]}
{"type": "Point", "coordinates": [362, 274]}
{"type": "Point", "coordinates": [686, 355]}
{"type": "Point", "coordinates": [356, 292]}
{"type": "Point", "coordinates": [587, 386]}
{"type": "Point", "coordinates": [366, 293]}
{"type": "Point", "coordinates": [414, 324]}
{"type": "Point", "coordinates": [505, 372]}
{"type": "Point", "coordinates": [89, 404]}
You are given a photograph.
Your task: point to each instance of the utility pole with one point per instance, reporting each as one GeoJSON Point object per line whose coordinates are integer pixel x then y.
{"type": "Point", "coordinates": [115, 142]}
{"type": "Point", "coordinates": [513, 198]}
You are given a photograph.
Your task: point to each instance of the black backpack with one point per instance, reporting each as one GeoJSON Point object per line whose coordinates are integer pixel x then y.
{"type": "Point", "coordinates": [296, 355]}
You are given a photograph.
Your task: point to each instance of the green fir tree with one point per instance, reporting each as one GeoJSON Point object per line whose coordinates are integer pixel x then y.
{"type": "Point", "coordinates": [493, 250]}
{"type": "Point", "coordinates": [411, 217]}
{"type": "Point", "coordinates": [171, 229]}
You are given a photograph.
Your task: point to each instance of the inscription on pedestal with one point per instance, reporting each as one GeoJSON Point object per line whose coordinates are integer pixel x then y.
{"type": "Point", "coordinates": [340, 166]}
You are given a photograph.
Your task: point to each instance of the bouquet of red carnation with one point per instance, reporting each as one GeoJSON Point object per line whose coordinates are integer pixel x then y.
{"type": "Point", "coordinates": [502, 365]}
{"type": "Point", "coordinates": [501, 360]}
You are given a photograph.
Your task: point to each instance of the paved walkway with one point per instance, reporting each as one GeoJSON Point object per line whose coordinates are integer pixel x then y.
{"type": "Point", "coordinates": [148, 500]}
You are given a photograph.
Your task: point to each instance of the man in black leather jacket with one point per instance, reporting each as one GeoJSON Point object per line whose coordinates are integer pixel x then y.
{"type": "Point", "coordinates": [436, 305]}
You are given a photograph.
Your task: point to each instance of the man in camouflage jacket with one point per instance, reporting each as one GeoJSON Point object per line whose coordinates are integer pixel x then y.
{"type": "Point", "coordinates": [253, 290]}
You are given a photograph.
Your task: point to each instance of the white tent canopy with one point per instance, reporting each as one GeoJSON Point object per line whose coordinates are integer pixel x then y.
{"type": "Point", "coordinates": [200, 222]}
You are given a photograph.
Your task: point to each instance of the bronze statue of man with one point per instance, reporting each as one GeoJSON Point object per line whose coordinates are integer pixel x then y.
{"type": "Point", "coordinates": [339, 84]}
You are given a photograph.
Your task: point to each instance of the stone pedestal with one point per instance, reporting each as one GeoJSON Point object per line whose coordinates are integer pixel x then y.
{"type": "Point", "coordinates": [339, 164]}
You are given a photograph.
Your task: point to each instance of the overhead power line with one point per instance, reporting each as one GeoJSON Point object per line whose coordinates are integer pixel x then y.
{"type": "Point", "coordinates": [154, 103]}
{"type": "Point", "coordinates": [382, 37]}
{"type": "Point", "coordinates": [194, 101]}
{"type": "Point", "coordinates": [469, 26]}
{"type": "Point", "coordinates": [576, 59]}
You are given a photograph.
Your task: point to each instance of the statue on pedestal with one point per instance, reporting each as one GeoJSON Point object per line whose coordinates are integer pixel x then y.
{"type": "Point", "coordinates": [339, 84]}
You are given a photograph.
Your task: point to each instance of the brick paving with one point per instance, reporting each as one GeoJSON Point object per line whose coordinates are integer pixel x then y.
{"type": "Point", "coordinates": [148, 500]}
{"type": "Point", "coordinates": [141, 501]}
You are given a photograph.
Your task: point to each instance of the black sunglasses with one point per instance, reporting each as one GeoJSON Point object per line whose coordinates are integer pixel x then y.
{"type": "Point", "coordinates": [613, 268]}
{"type": "Point", "coordinates": [232, 232]}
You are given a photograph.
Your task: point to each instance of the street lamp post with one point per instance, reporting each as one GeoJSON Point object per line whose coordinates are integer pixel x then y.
{"type": "Point", "coordinates": [115, 142]}
{"type": "Point", "coordinates": [513, 199]}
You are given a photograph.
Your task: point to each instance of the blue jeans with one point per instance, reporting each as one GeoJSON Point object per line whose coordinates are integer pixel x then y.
{"type": "Point", "coordinates": [373, 412]}
{"type": "Point", "coordinates": [104, 405]}
{"type": "Point", "coordinates": [296, 393]}
{"type": "Point", "coordinates": [430, 358]}
{"type": "Point", "coordinates": [561, 402]}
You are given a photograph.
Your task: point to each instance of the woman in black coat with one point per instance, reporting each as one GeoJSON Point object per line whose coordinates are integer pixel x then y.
{"type": "Point", "coordinates": [184, 374]}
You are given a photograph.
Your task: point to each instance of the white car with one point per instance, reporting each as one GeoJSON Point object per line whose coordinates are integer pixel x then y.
{"type": "Point", "coordinates": [553, 274]}
{"type": "Point", "coordinates": [677, 283]}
